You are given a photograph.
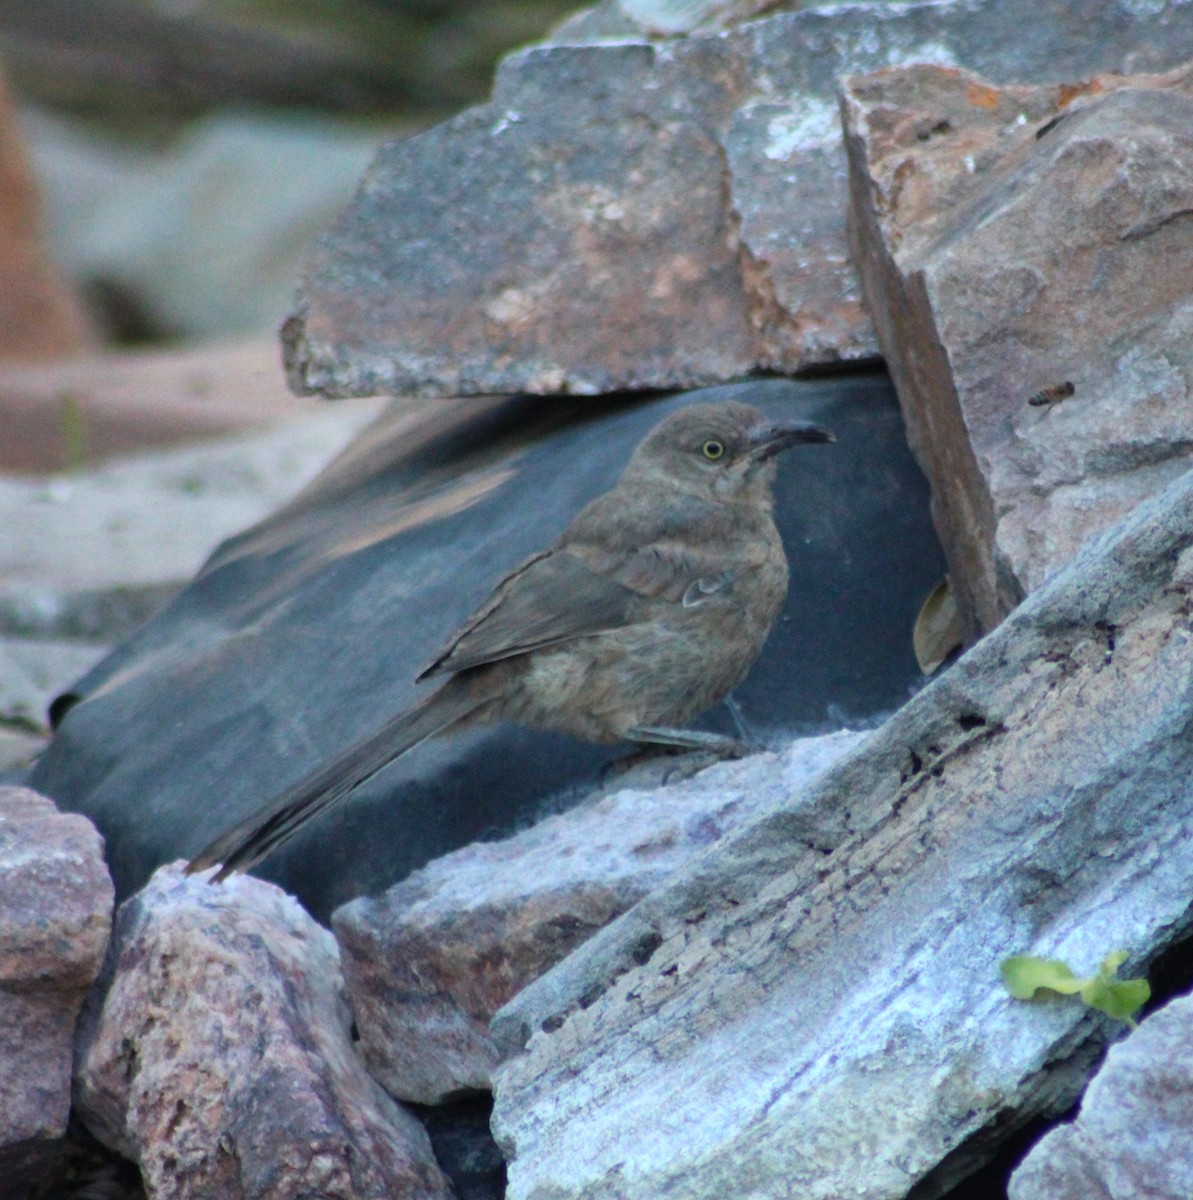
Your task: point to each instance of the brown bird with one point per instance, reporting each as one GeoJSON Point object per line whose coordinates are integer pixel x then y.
{"type": "Point", "coordinates": [651, 606]}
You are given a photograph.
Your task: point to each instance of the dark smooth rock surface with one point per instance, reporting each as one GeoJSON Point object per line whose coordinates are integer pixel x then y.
{"type": "Point", "coordinates": [305, 633]}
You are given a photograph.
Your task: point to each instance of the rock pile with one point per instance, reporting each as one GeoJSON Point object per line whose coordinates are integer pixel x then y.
{"type": "Point", "coordinates": [780, 978]}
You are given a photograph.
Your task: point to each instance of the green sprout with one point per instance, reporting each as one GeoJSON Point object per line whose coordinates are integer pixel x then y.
{"type": "Point", "coordinates": [1024, 975]}
{"type": "Point", "coordinates": [74, 429]}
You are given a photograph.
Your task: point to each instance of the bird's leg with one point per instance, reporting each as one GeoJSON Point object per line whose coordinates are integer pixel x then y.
{"type": "Point", "coordinates": [687, 739]}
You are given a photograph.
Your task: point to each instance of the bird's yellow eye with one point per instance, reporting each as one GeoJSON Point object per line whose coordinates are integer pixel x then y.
{"type": "Point", "coordinates": [712, 449]}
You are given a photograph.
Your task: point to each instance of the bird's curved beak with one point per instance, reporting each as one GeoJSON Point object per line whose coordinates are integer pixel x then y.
{"type": "Point", "coordinates": [769, 438]}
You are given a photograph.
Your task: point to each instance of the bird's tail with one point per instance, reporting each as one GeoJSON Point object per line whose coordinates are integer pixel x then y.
{"type": "Point", "coordinates": [246, 844]}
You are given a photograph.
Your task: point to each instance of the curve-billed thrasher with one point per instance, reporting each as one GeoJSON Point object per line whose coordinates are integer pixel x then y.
{"type": "Point", "coordinates": [651, 606]}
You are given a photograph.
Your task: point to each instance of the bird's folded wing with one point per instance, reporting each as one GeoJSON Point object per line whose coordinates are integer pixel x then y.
{"type": "Point", "coordinates": [663, 570]}
{"type": "Point", "coordinates": [551, 598]}
{"type": "Point", "coordinates": [564, 594]}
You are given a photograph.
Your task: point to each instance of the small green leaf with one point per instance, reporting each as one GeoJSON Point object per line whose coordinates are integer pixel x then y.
{"type": "Point", "coordinates": [1024, 975]}
{"type": "Point", "coordinates": [1118, 998]}
{"type": "Point", "coordinates": [1121, 999]}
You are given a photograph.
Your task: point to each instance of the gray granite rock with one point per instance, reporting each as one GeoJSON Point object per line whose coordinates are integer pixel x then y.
{"type": "Point", "coordinates": [55, 917]}
{"type": "Point", "coordinates": [636, 214]}
{"type": "Point", "coordinates": [1042, 349]}
{"type": "Point", "coordinates": [218, 1055]}
{"type": "Point", "coordinates": [1131, 1137]}
{"type": "Point", "coordinates": [428, 963]}
{"type": "Point", "coordinates": [814, 1007]}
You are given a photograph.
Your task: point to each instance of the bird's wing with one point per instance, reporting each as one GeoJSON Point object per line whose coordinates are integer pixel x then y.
{"type": "Point", "coordinates": [551, 598]}
{"type": "Point", "coordinates": [575, 592]}
{"type": "Point", "coordinates": [614, 555]}
{"type": "Point", "coordinates": [678, 549]}
{"type": "Point", "coordinates": [663, 570]}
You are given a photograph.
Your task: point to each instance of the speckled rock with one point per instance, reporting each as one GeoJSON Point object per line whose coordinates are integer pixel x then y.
{"type": "Point", "coordinates": [218, 1055]}
{"type": "Point", "coordinates": [55, 918]}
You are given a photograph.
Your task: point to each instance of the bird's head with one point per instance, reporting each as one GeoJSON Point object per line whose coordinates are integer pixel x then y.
{"type": "Point", "coordinates": [726, 449]}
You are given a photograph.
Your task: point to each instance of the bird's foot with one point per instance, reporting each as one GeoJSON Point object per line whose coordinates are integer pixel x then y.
{"type": "Point", "coordinates": [690, 739]}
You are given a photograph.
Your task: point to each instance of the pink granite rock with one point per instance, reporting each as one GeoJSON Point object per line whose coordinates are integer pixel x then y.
{"type": "Point", "coordinates": [220, 1058]}
{"type": "Point", "coordinates": [55, 917]}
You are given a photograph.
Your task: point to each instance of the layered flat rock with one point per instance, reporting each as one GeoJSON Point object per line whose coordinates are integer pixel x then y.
{"type": "Point", "coordinates": [428, 963]}
{"type": "Point", "coordinates": [1028, 261]}
{"type": "Point", "coordinates": [305, 633]}
{"type": "Point", "coordinates": [1131, 1137]}
{"type": "Point", "coordinates": [55, 918]}
{"type": "Point", "coordinates": [678, 221]}
{"type": "Point", "coordinates": [218, 1055]}
{"type": "Point", "coordinates": [814, 1007]}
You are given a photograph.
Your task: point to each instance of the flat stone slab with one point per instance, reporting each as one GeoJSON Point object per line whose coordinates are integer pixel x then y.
{"type": "Point", "coordinates": [1043, 351]}
{"type": "Point", "coordinates": [679, 221]}
{"type": "Point", "coordinates": [814, 1007]}
{"type": "Point", "coordinates": [72, 413]}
